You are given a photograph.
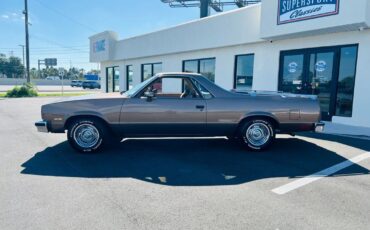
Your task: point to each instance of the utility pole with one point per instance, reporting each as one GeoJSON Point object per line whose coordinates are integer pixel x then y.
{"type": "Point", "coordinates": [25, 12]}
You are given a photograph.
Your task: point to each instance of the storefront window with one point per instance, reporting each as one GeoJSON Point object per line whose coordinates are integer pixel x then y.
{"type": "Point", "coordinates": [109, 81]}
{"type": "Point", "coordinates": [129, 75]}
{"type": "Point", "coordinates": [206, 67]}
{"type": "Point", "coordinates": [328, 72]}
{"type": "Point", "coordinates": [346, 81]}
{"type": "Point", "coordinates": [191, 66]}
{"type": "Point", "coordinates": [149, 70]}
{"type": "Point", "coordinates": [157, 68]}
{"type": "Point", "coordinates": [146, 71]}
{"type": "Point", "coordinates": [116, 80]}
{"type": "Point", "coordinates": [112, 79]}
{"type": "Point", "coordinates": [244, 72]}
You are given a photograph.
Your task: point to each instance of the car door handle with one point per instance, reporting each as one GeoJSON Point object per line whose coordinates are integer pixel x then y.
{"type": "Point", "coordinates": [199, 106]}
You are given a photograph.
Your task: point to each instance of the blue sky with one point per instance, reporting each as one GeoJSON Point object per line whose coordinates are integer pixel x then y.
{"type": "Point", "coordinates": [60, 28]}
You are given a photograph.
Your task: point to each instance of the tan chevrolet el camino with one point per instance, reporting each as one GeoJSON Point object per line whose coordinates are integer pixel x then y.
{"type": "Point", "coordinates": [180, 105]}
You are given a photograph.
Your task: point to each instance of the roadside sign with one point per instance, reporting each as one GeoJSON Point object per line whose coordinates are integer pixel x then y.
{"type": "Point", "coordinates": [61, 72]}
{"type": "Point", "coordinates": [50, 61]}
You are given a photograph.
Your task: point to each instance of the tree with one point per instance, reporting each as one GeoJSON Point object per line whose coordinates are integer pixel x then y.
{"type": "Point", "coordinates": [34, 73]}
{"type": "Point", "coordinates": [94, 71]}
{"type": "Point", "coordinates": [16, 68]}
{"type": "Point", "coordinates": [47, 72]}
{"type": "Point", "coordinates": [12, 67]}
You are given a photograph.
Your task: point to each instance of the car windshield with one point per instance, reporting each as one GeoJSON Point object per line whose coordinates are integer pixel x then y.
{"type": "Point", "coordinates": [137, 87]}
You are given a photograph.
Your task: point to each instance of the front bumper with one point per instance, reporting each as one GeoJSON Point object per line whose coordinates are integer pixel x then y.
{"type": "Point", "coordinates": [319, 127]}
{"type": "Point", "coordinates": [42, 126]}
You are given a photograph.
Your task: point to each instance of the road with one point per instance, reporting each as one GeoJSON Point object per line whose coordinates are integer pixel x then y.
{"type": "Point", "coordinates": [178, 184]}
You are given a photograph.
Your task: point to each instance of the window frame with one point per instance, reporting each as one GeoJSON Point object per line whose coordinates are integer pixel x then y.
{"type": "Point", "coordinates": [236, 67]}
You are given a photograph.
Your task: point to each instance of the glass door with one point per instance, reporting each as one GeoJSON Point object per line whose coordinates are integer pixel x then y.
{"type": "Point", "coordinates": [291, 79]}
{"type": "Point", "coordinates": [319, 81]}
{"type": "Point", "coordinates": [311, 72]}
{"type": "Point", "coordinates": [328, 72]}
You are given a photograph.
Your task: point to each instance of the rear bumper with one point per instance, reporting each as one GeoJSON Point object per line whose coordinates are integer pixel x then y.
{"type": "Point", "coordinates": [319, 127]}
{"type": "Point", "coordinates": [42, 126]}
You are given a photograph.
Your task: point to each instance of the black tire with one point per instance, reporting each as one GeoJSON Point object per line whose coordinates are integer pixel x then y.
{"type": "Point", "coordinates": [95, 132]}
{"type": "Point", "coordinates": [257, 134]}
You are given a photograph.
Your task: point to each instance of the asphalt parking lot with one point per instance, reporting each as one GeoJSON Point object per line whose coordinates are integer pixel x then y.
{"type": "Point", "coordinates": [178, 184]}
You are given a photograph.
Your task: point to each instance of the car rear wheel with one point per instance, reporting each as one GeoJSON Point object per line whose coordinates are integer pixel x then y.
{"type": "Point", "coordinates": [257, 134]}
{"type": "Point", "coordinates": [87, 135]}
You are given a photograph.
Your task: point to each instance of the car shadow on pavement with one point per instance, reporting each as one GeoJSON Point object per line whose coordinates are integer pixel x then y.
{"type": "Point", "coordinates": [189, 162]}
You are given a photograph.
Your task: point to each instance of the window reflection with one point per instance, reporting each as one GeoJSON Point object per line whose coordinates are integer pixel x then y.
{"type": "Point", "coordinates": [149, 70]}
{"type": "Point", "coordinates": [244, 72]}
{"type": "Point", "coordinates": [116, 80]}
{"type": "Point", "coordinates": [206, 67]}
{"type": "Point", "coordinates": [346, 81]}
{"type": "Point", "coordinates": [191, 66]}
{"type": "Point", "coordinates": [112, 79]}
{"type": "Point", "coordinates": [292, 73]}
{"type": "Point", "coordinates": [129, 76]}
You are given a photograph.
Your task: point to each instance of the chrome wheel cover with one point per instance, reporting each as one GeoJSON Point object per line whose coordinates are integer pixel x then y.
{"type": "Point", "coordinates": [86, 135]}
{"type": "Point", "coordinates": [258, 134]}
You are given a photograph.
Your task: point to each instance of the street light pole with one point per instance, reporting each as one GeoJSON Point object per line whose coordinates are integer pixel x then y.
{"type": "Point", "coordinates": [25, 12]}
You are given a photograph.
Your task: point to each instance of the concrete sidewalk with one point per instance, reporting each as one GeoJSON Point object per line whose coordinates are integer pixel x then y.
{"type": "Point", "coordinates": [347, 130]}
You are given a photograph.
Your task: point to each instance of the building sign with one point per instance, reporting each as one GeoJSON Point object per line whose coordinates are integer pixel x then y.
{"type": "Point", "coordinates": [99, 46]}
{"type": "Point", "coordinates": [299, 10]}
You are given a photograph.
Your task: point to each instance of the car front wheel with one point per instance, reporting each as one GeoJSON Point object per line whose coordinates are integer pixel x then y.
{"type": "Point", "coordinates": [257, 134]}
{"type": "Point", "coordinates": [86, 135]}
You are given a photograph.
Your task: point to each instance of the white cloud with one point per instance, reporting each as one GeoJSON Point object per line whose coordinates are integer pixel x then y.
{"type": "Point", "coordinates": [13, 16]}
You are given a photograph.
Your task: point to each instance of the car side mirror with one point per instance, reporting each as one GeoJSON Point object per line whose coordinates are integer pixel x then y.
{"type": "Point", "coordinates": [149, 95]}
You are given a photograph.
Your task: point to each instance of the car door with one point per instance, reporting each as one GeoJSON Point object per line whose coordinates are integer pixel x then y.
{"type": "Point", "coordinates": [169, 106]}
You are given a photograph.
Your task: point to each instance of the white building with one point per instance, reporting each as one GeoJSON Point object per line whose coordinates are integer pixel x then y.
{"type": "Point", "coordinates": [302, 46]}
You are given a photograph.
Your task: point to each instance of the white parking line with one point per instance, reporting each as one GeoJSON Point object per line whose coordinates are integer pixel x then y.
{"type": "Point", "coordinates": [319, 175]}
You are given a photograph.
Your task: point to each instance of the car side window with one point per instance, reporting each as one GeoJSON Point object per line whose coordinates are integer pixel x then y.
{"type": "Point", "coordinates": [205, 93]}
{"type": "Point", "coordinates": [172, 87]}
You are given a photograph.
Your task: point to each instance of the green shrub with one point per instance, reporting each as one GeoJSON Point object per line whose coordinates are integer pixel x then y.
{"type": "Point", "coordinates": [26, 90]}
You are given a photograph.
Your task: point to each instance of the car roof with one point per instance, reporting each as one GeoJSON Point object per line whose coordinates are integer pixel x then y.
{"type": "Point", "coordinates": [178, 74]}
